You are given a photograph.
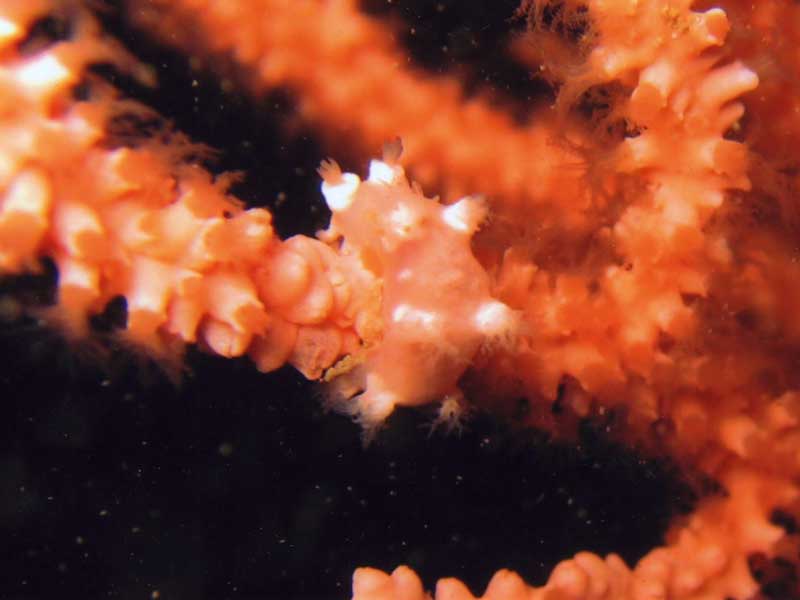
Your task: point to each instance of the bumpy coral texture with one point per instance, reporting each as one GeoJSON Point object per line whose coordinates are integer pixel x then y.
{"type": "Point", "coordinates": [144, 224]}
{"type": "Point", "coordinates": [634, 261]}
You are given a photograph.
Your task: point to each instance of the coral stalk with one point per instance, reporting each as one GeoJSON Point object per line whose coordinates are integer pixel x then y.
{"type": "Point", "coordinates": [145, 224]}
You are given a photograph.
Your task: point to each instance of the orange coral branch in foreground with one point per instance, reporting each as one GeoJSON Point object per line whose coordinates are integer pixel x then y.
{"type": "Point", "coordinates": [141, 223]}
{"type": "Point", "coordinates": [667, 305]}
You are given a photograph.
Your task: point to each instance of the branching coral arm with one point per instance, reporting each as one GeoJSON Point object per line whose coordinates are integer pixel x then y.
{"type": "Point", "coordinates": [670, 175]}
{"type": "Point", "coordinates": [766, 35]}
{"type": "Point", "coordinates": [143, 223]}
{"type": "Point", "coordinates": [334, 59]}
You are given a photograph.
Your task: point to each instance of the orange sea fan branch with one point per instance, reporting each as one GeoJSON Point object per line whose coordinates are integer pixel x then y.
{"type": "Point", "coordinates": [334, 59]}
{"type": "Point", "coordinates": [604, 328]}
{"type": "Point", "coordinates": [141, 223]}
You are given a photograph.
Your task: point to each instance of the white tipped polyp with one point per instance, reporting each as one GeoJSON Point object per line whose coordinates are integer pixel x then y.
{"type": "Point", "coordinates": [43, 72]}
{"type": "Point", "coordinates": [716, 22]}
{"type": "Point", "coordinates": [465, 215]}
{"type": "Point", "coordinates": [339, 196]}
{"type": "Point", "coordinates": [9, 31]}
{"type": "Point", "coordinates": [381, 172]}
{"type": "Point", "coordinates": [494, 318]}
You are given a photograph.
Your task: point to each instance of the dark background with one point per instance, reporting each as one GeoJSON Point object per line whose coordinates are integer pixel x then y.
{"type": "Point", "coordinates": [237, 485]}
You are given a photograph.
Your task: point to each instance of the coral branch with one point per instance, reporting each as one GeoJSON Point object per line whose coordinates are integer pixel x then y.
{"type": "Point", "coordinates": [707, 557]}
{"type": "Point", "coordinates": [144, 223]}
{"type": "Point", "coordinates": [333, 57]}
